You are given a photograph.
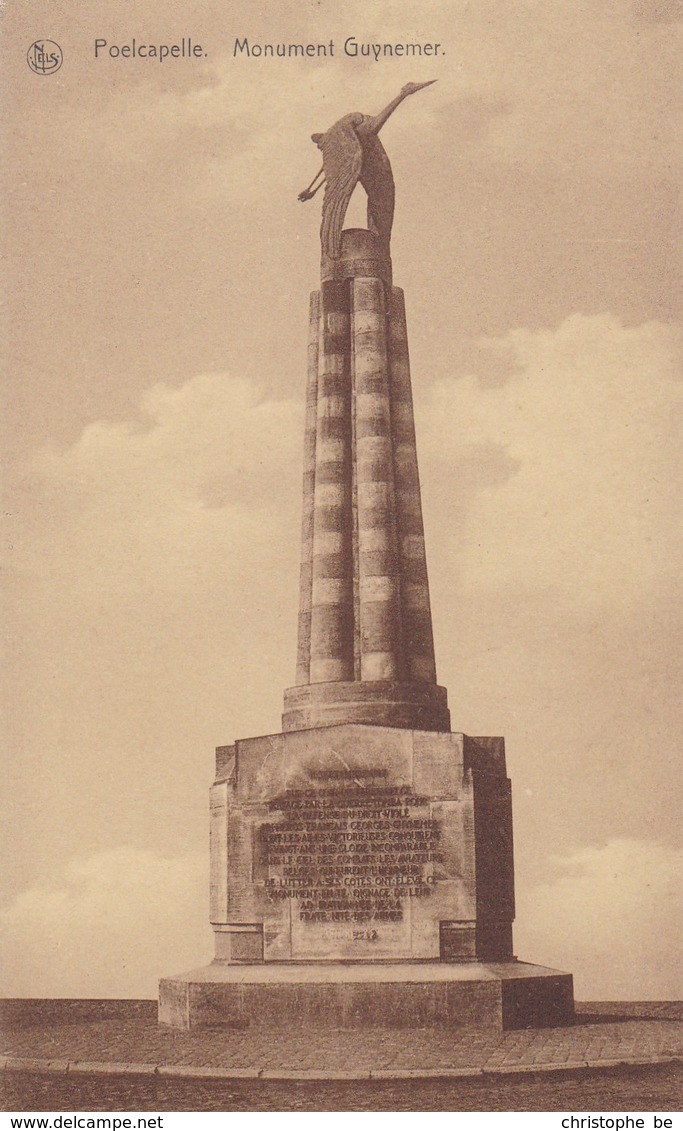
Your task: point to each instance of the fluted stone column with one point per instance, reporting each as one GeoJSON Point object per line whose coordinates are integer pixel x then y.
{"type": "Point", "coordinates": [416, 612]}
{"type": "Point", "coordinates": [378, 563]}
{"type": "Point", "coordinates": [303, 665]}
{"type": "Point", "coordinates": [331, 657]}
{"type": "Point", "coordinates": [366, 652]}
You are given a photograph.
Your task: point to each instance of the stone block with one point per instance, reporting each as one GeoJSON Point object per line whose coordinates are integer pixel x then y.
{"type": "Point", "coordinates": [363, 843]}
{"type": "Point", "coordinates": [365, 996]}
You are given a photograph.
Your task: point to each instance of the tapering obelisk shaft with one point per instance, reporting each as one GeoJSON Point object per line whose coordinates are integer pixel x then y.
{"type": "Point", "coordinates": [378, 562]}
{"type": "Point", "coordinates": [415, 606]}
{"type": "Point", "coordinates": [365, 651]}
{"type": "Point", "coordinates": [332, 589]}
{"type": "Point", "coordinates": [303, 666]}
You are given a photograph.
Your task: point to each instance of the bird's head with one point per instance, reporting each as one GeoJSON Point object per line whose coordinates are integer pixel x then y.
{"type": "Point", "coordinates": [413, 87]}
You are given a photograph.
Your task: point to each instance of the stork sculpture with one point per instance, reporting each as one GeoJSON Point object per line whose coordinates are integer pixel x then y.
{"type": "Point", "coordinates": [352, 152]}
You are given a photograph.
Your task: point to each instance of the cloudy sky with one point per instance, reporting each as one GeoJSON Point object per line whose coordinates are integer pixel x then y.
{"type": "Point", "coordinates": [160, 265]}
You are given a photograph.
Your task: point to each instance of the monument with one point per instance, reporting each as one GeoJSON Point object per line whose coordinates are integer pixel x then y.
{"type": "Point", "coordinates": [361, 859]}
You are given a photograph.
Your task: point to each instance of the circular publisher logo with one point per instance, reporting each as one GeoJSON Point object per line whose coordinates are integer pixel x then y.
{"type": "Point", "coordinates": [44, 57]}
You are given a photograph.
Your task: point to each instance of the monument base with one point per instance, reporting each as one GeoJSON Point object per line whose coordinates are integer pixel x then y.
{"type": "Point", "coordinates": [334, 995]}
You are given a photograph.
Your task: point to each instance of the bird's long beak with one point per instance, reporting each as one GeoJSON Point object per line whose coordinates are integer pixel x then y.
{"type": "Point", "coordinates": [420, 85]}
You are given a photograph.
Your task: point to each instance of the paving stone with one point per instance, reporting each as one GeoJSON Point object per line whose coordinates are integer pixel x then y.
{"type": "Point", "coordinates": [193, 1071]}
{"type": "Point", "coordinates": [137, 1046]}
{"type": "Point", "coordinates": [111, 1068]}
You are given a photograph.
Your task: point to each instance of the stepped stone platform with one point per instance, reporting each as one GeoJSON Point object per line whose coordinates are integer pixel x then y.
{"type": "Point", "coordinates": [502, 995]}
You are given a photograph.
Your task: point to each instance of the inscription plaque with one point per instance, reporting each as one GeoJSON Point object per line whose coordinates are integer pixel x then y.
{"type": "Point", "coordinates": [351, 855]}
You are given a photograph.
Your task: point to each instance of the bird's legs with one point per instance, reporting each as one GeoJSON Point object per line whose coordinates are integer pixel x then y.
{"type": "Point", "coordinates": [310, 192]}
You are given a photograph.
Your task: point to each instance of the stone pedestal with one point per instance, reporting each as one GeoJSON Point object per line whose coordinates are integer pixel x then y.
{"type": "Point", "coordinates": [362, 843]}
{"type": "Point", "coordinates": [363, 875]}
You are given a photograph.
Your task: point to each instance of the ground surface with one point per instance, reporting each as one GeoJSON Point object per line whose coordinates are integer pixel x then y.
{"type": "Point", "coordinates": [612, 1090]}
{"type": "Point", "coordinates": [95, 1056]}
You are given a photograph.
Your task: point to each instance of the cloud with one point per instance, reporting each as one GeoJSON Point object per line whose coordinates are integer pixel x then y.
{"type": "Point", "coordinates": [535, 75]}
{"type": "Point", "coordinates": [111, 926]}
{"type": "Point", "coordinates": [116, 921]}
{"type": "Point", "coordinates": [583, 425]}
{"type": "Point", "coordinates": [657, 11]}
{"type": "Point", "coordinates": [557, 454]}
{"type": "Point", "coordinates": [154, 593]}
{"type": "Point", "coordinates": [612, 916]}
{"type": "Point", "coordinates": [551, 504]}
{"type": "Point", "coordinates": [156, 500]}
{"type": "Point", "coordinates": [157, 580]}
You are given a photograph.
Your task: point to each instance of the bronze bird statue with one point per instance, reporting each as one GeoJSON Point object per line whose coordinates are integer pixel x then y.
{"type": "Point", "coordinates": [352, 152]}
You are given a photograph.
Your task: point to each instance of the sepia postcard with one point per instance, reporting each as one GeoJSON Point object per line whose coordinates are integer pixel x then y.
{"type": "Point", "coordinates": [162, 248]}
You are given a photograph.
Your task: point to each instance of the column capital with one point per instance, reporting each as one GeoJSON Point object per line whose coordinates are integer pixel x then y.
{"type": "Point", "coordinates": [361, 254]}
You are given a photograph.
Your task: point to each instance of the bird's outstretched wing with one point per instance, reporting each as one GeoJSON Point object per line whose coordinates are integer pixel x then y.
{"type": "Point", "coordinates": [342, 160]}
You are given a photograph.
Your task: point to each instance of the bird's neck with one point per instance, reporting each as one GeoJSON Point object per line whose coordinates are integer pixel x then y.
{"type": "Point", "coordinates": [375, 124]}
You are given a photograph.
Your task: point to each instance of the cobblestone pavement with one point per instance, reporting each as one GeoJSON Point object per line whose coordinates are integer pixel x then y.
{"type": "Point", "coordinates": [605, 1035]}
